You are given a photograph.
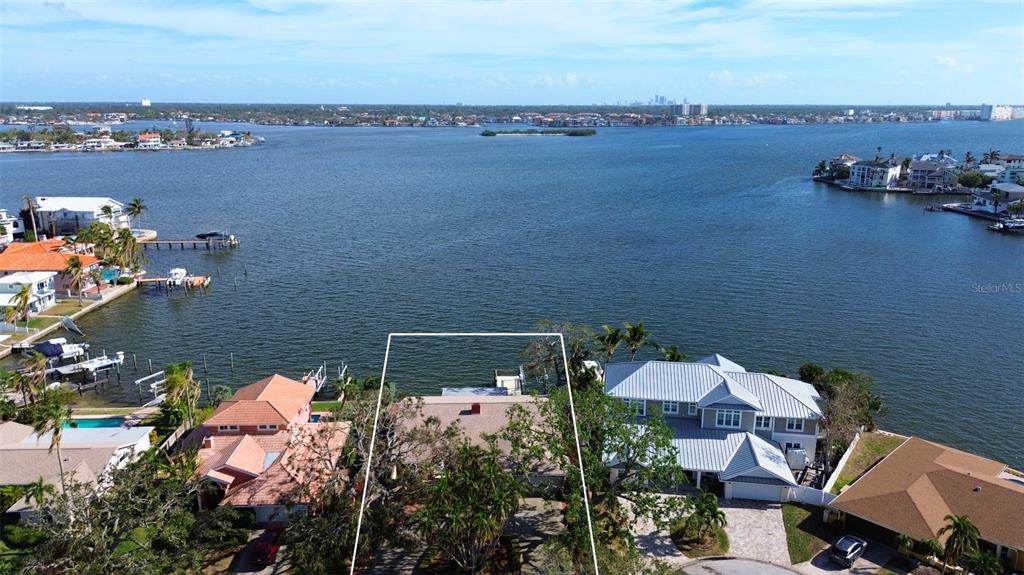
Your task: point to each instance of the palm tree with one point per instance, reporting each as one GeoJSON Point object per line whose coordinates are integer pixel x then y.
{"type": "Point", "coordinates": [22, 307]}
{"type": "Point", "coordinates": [11, 380]}
{"type": "Point", "coordinates": [126, 249]}
{"type": "Point", "coordinates": [821, 168]}
{"type": "Point", "coordinates": [181, 390]}
{"type": "Point", "coordinates": [969, 159]}
{"type": "Point", "coordinates": [96, 276]}
{"type": "Point", "coordinates": [990, 156]}
{"type": "Point", "coordinates": [878, 154]}
{"type": "Point", "coordinates": [31, 216]}
{"type": "Point", "coordinates": [982, 563]}
{"type": "Point", "coordinates": [33, 379]}
{"type": "Point", "coordinates": [931, 547]}
{"type": "Point", "coordinates": [706, 516]}
{"type": "Point", "coordinates": [38, 491]}
{"type": "Point", "coordinates": [963, 537]}
{"type": "Point", "coordinates": [904, 543]}
{"type": "Point", "coordinates": [637, 338]}
{"type": "Point", "coordinates": [52, 416]}
{"type": "Point", "coordinates": [107, 213]}
{"type": "Point", "coordinates": [78, 275]}
{"type": "Point", "coordinates": [997, 197]}
{"type": "Point", "coordinates": [672, 353]}
{"type": "Point", "coordinates": [610, 340]}
{"type": "Point", "coordinates": [135, 209]}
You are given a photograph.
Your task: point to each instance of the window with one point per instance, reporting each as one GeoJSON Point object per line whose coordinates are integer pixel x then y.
{"type": "Point", "coordinates": [269, 427]}
{"type": "Point", "coordinates": [793, 445]}
{"type": "Point", "coordinates": [639, 406]}
{"type": "Point", "coordinates": [727, 418]}
{"type": "Point", "coordinates": [691, 409]}
{"type": "Point", "coordinates": [227, 428]}
{"type": "Point", "coordinates": [762, 422]}
{"type": "Point", "coordinates": [670, 407]}
{"type": "Point", "coordinates": [794, 425]}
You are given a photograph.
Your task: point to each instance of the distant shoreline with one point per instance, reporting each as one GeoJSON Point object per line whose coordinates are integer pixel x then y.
{"type": "Point", "coordinates": [571, 132]}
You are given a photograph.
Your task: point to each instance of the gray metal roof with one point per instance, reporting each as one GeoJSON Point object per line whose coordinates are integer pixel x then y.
{"type": "Point", "coordinates": [728, 391]}
{"type": "Point", "coordinates": [733, 454]}
{"type": "Point", "coordinates": [689, 382]}
{"type": "Point", "coordinates": [722, 362]}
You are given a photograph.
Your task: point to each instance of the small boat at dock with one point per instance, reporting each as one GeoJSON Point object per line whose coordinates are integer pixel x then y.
{"type": "Point", "coordinates": [1009, 226]}
{"type": "Point", "coordinates": [55, 349]}
{"type": "Point", "coordinates": [91, 366]}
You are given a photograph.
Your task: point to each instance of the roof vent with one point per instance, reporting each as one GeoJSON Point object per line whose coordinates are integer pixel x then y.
{"type": "Point", "coordinates": [475, 409]}
{"type": "Point", "coordinates": [977, 488]}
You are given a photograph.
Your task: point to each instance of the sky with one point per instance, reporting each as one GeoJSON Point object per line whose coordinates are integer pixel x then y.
{"type": "Point", "coordinates": [497, 52]}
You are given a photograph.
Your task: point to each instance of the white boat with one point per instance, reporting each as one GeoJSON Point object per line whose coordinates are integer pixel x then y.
{"type": "Point", "coordinates": [92, 365]}
{"type": "Point", "coordinates": [177, 277]}
{"type": "Point", "coordinates": [1012, 225]}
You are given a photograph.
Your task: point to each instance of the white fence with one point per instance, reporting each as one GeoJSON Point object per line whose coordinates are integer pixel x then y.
{"type": "Point", "coordinates": [809, 495]}
{"type": "Point", "coordinates": [842, 463]}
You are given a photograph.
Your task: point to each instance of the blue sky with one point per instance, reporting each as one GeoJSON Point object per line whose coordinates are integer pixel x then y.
{"type": "Point", "coordinates": [493, 52]}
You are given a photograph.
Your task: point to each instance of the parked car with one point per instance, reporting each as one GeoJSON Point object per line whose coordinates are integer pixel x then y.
{"type": "Point", "coordinates": [265, 551]}
{"type": "Point", "coordinates": [847, 550]}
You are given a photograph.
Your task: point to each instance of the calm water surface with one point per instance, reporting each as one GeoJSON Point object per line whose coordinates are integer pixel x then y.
{"type": "Point", "coordinates": [714, 237]}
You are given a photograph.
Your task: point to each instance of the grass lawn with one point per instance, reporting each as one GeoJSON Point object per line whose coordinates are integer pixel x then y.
{"type": "Point", "coordinates": [871, 448]}
{"type": "Point", "coordinates": [806, 533]}
{"type": "Point", "coordinates": [66, 307]}
{"type": "Point", "coordinates": [103, 410]}
{"type": "Point", "coordinates": [323, 405]}
{"type": "Point", "coordinates": [693, 547]}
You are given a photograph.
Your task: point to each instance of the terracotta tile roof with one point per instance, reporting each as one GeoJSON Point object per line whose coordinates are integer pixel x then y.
{"type": "Point", "coordinates": [254, 413]}
{"type": "Point", "coordinates": [275, 387]}
{"type": "Point", "coordinates": [30, 261]}
{"type": "Point", "coordinates": [50, 245]}
{"type": "Point", "coordinates": [241, 453]}
{"type": "Point", "coordinates": [298, 465]}
{"type": "Point", "coordinates": [918, 484]}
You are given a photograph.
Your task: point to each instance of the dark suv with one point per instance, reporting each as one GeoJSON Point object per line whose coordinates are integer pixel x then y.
{"type": "Point", "coordinates": [847, 550]}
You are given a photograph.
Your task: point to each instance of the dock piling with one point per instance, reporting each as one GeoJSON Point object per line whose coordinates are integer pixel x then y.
{"type": "Point", "coordinates": [150, 367]}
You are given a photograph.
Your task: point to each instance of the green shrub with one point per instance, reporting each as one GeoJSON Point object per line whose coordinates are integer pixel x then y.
{"type": "Point", "coordinates": [20, 537]}
{"type": "Point", "coordinates": [125, 280]}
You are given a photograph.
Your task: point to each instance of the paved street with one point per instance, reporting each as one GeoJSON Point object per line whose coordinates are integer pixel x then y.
{"type": "Point", "coordinates": [756, 530]}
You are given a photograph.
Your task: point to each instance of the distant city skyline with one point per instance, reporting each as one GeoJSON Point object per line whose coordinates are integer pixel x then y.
{"type": "Point", "coordinates": [492, 53]}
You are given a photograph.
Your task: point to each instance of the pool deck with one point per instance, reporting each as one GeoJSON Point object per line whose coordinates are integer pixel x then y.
{"type": "Point", "coordinates": [108, 295]}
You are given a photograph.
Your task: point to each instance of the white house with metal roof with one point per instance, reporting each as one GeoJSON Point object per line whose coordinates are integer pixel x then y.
{"type": "Point", "coordinates": [751, 431]}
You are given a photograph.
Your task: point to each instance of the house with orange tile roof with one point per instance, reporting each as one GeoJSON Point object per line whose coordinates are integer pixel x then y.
{"type": "Point", "coordinates": [45, 256]}
{"type": "Point", "coordinates": [267, 406]}
{"type": "Point", "coordinates": [260, 450]}
{"type": "Point", "coordinates": [914, 488]}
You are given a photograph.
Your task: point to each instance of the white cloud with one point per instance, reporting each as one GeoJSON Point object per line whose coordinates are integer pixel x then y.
{"type": "Point", "coordinates": [953, 65]}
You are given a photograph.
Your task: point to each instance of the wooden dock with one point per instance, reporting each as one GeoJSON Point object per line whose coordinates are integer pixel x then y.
{"type": "Point", "coordinates": [195, 243]}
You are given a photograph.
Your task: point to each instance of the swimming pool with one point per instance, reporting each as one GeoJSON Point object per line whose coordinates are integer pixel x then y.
{"type": "Point", "coordinates": [110, 275]}
{"type": "Point", "coordinates": [99, 422]}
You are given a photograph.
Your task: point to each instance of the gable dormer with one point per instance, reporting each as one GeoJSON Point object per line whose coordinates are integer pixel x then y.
{"type": "Point", "coordinates": [728, 392]}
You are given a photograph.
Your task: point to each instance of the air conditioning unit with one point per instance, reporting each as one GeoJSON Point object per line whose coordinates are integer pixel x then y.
{"type": "Point", "coordinates": [796, 458]}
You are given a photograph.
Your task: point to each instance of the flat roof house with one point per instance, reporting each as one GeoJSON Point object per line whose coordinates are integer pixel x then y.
{"type": "Point", "coordinates": [41, 291]}
{"type": "Point", "coordinates": [750, 431]}
{"type": "Point", "coordinates": [88, 453]}
{"type": "Point", "coordinates": [916, 486]}
{"type": "Point", "coordinates": [68, 215]}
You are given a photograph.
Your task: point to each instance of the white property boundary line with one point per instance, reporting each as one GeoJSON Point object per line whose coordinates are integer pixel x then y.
{"type": "Point", "coordinates": [572, 412]}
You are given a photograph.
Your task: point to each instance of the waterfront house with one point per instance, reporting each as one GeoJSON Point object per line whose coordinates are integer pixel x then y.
{"type": "Point", "coordinates": [101, 144]}
{"type": "Point", "coordinates": [41, 291]}
{"type": "Point", "coordinates": [88, 453]}
{"type": "Point", "coordinates": [261, 452]}
{"type": "Point", "coordinates": [929, 174]}
{"type": "Point", "coordinates": [11, 225]}
{"type": "Point", "coordinates": [149, 141]}
{"type": "Point", "coordinates": [871, 174]}
{"type": "Point", "coordinates": [749, 431]}
{"type": "Point", "coordinates": [47, 256]}
{"type": "Point", "coordinates": [1009, 193]}
{"type": "Point", "coordinates": [842, 160]}
{"type": "Point", "coordinates": [68, 215]}
{"type": "Point", "coordinates": [916, 486]}
{"type": "Point", "coordinates": [940, 158]}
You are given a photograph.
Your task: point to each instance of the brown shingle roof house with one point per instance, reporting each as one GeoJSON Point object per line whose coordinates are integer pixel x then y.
{"type": "Point", "coordinates": [920, 483]}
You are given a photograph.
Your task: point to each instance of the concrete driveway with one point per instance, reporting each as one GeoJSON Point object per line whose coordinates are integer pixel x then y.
{"type": "Point", "coordinates": [756, 530]}
{"type": "Point", "coordinates": [735, 567]}
{"type": "Point", "coordinates": [873, 560]}
{"type": "Point", "coordinates": [242, 563]}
